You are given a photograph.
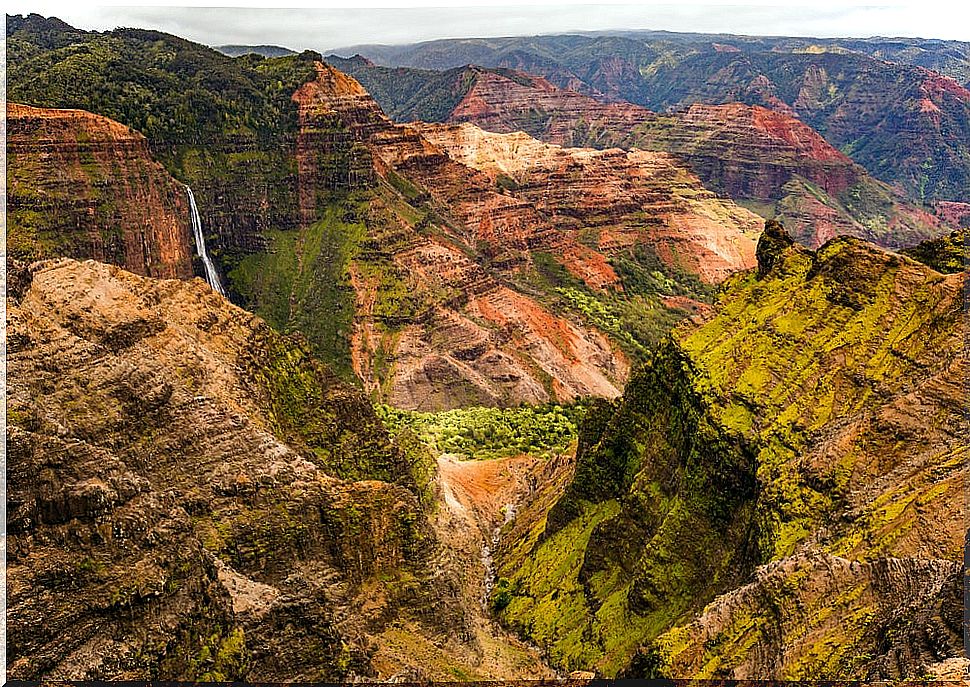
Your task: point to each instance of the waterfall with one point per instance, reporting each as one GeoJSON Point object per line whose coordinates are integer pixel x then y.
{"type": "Point", "coordinates": [211, 275]}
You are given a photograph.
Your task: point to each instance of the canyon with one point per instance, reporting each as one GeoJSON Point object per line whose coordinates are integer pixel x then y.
{"type": "Point", "coordinates": [325, 371]}
{"type": "Point", "coordinates": [906, 119]}
{"type": "Point", "coordinates": [766, 160]}
{"type": "Point", "coordinates": [431, 283]}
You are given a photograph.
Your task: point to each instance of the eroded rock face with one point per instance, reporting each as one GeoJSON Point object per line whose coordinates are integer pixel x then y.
{"type": "Point", "coordinates": [908, 608]}
{"type": "Point", "coordinates": [747, 152]}
{"type": "Point", "coordinates": [622, 198]}
{"type": "Point", "coordinates": [461, 336]}
{"type": "Point", "coordinates": [85, 186]}
{"type": "Point", "coordinates": [518, 101]}
{"type": "Point", "coordinates": [192, 496]}
{"type": "Point", "coordinates": [774, 494]}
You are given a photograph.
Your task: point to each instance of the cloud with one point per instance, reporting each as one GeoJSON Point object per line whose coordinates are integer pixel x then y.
{"type": "Point", "coordinates": [326, 29]}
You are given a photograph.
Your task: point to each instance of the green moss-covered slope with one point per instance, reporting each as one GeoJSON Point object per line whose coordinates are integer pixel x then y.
{"type": "Point", "coordinates": [817, 412]}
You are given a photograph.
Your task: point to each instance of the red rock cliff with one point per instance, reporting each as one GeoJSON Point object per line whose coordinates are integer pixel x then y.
{"type": "Point", "coordinates": [85, 186]}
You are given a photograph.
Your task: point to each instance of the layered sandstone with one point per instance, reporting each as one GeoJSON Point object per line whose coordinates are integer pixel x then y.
{"type": "Point", "coordinates": [86, 186]}
{"type": "Point", "coordinates": [484, 342]}
{"type": "Point", "coordinates": [620, 198]}
{"type": "Point", "coordinates": [764, 157]}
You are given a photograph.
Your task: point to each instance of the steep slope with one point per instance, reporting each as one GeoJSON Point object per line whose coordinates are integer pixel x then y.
{"type": "Point", "coordinates": [447, 301]}
{"type": "Point", "coordinates": [193, 497]}
{"type": "Point", "coordinates": [428, 326]}
{"type": "Point", "coordinates": [767, 157]}
{"type": "Point", "coordinates": [770, 161]}
{"type": "Point", "coordinates": [776, 494]}
{"type": "Point", "coordinates": [618, 198]}
{"type": "Point", "coordinates": [226, 127]}
{"type": "Point", "coordinates": [905, 124]}
{"type": "Point", "coordinates": [433, 283]}
{"type": "Point", "coordinates": [81, 185]}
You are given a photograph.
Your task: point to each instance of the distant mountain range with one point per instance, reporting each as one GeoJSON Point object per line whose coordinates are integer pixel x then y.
{"type": "Point", "coordinates": [904, 123]}
{"type": "Point", "coordinates": [264, 50]}
{"type": "Point", "coordinates": [766, 159]}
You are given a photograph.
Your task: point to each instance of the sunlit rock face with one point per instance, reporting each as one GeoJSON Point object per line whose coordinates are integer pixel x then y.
{"type": "Point", "coordinates": [86, 186]}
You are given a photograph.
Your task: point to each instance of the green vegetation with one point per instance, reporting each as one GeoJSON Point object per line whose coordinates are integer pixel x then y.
{"type": "Point", "coordinates": [947, 254]}
{"type": "Point", "coordinates": [172, 90]}
{"type": "Point", "coordinates": [699, 473]}
{"type": "Point", "coordinates": [480, 433]}
{"type": "Point", "coordinates": [302, 282]}
{"type": "Point", "coordinates": [636, 318]}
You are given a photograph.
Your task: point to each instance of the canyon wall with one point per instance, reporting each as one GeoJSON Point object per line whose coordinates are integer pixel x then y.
{"type": "Point", "coordinates": [81, 185]}
{"type": "Point", "coordinates": [767, 159]}
{"type": "Point", "coordinates": [806, 437]}
{"type": "Point", "coordinates": [192, 496]}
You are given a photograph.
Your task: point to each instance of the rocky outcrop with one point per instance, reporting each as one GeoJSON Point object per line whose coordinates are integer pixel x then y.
{"type": "Point", "coordinates": [191, 496]}
{"type": "Point", "coordinates": [773, 495]}
{"type": "Point", "coordinates": [461, 336]}
{"type": "Point", "coordinates": [85, 186]}
{"type": "Point", "coordinates": [752, 152]}
{"type": "Point", "coordinates": [517, 101]}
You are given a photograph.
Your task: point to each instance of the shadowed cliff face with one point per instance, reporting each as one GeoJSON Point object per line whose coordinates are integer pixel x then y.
{"type": "Point", "coordinates": [81, 185]}
{"type": "Point", "coordinates": [774, 495]}
{"type": "Point", "coordinates": [193, 497]}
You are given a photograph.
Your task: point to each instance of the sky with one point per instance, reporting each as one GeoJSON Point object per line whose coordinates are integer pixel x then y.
{"type": "Point", "coordinates": [328, 26]}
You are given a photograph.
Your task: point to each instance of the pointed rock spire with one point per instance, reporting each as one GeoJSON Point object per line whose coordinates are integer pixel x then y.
{"type": "Point", "coordinates": [774, 241]}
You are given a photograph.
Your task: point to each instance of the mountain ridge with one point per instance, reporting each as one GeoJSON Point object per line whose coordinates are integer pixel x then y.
{"type": "Point", "coordinates": [730, 443]}
{"type": "Point", "coordinates": [831, 91]}
{"type": "Point", "coordinates": [771, 160]}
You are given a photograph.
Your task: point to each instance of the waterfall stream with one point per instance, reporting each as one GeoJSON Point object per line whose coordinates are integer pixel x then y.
{"type": "Point", "coordinates": [211, 275]}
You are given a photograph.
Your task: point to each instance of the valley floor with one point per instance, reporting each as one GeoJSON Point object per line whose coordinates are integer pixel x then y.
{"type": "Point", "coordinates": [476, 498]}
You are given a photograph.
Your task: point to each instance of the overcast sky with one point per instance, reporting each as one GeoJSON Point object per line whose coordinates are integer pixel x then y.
{"type": "Point", "coordinates": [326, 27]}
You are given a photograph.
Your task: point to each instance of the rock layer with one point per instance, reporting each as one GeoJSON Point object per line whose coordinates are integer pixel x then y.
{"type": "Point", "coordinates": [487, 342]}
{"type": "Point", "coordinates": [193, 497]}
{"type": "Point", "coordinates": [82, 185]}
{"type": "Point", "coordinates": [765, 158]}
{"type": "Point", "coordinates": [622, 198]}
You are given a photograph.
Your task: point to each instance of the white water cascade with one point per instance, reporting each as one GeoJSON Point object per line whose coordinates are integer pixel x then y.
{"type": "Point", "coordinates": [211, 275]}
